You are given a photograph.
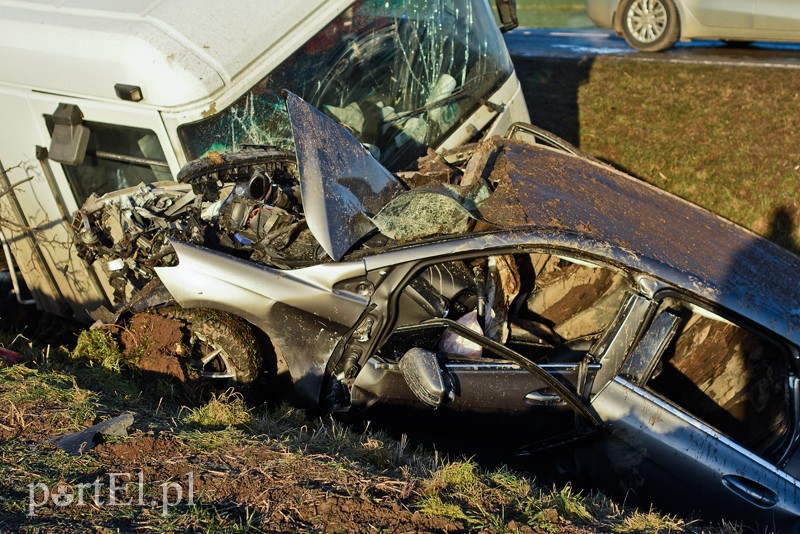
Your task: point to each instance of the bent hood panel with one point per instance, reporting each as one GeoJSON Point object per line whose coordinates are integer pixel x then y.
{"type": "Point", "coordinates": [206, 277]}
{"type": "Point", "coordinates": [300, 311]}
{"type": "Point", "coordinates": [340, 182]}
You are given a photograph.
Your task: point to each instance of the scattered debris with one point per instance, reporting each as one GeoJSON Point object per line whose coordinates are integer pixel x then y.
{"type": "Point", "coordinates": [253, 203]}
{"type": "Point", "coordinates": [77, 443]}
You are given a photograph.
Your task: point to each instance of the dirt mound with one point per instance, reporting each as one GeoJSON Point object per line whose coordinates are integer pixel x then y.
{"type": "Point", "coordinates": [158, 341]}
{"type": "Point", "coordinates": [289, 491]}
{"type": "Point", "coordinates": [140, 449]}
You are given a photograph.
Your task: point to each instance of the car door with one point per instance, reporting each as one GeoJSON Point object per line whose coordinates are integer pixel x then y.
{"type": "Point", "coordinates": [777, 16]}
{"type": "Point", "coordinates": [700, 417]}
{"type": "Point", "coordinates": [515, 332]}
{"type": "Point", "coordinates": [722, 13]}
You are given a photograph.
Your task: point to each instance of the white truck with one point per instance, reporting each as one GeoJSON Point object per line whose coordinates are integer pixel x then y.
{"type": "Point", "coordinates": [100, 96]}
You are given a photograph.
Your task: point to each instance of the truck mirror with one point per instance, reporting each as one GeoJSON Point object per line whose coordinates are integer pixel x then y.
{"type": "Point", "coordinates": [70, 136]}
{"type": "Point", "coordinates": [507, 10]}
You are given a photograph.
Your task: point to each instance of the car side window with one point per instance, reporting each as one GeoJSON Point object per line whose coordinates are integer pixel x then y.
{"type": "Point", "coordinates": [726, 375]}
{"type": "Point", "coordinates": [546, 307]}
{"type": "Point", "coordinates": [117, 157]}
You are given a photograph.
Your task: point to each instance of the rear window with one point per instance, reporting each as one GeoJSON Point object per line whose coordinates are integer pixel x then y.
{"type": "Point", "coordinates": [728, 376]}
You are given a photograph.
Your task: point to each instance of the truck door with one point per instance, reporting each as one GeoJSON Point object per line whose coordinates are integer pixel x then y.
{"type": "Point", "coordinates": [125, 146]}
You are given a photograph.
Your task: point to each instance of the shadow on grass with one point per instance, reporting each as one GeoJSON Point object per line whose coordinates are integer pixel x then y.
{"type": "Point", "coordinates": [551, 87]}
{"type": "Point", "coordinates": [782, 229]}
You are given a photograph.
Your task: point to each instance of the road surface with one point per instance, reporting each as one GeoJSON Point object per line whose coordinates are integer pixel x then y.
{"type": "Point", "coordinates": [547, 43]}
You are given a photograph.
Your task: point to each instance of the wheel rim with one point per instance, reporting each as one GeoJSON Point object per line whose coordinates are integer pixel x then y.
{"type": "Point", "coordinates": [646, 20]}
{"type": "Point", "coordinates": [209, 360]}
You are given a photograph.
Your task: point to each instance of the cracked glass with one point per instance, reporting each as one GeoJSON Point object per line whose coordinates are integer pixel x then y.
{"type": "Point", "coordinates": [400, 74]}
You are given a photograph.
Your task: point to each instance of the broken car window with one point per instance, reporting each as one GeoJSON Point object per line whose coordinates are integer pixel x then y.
{"type": "Point", "coordinates": [400, 74]}
{"type": "Point", "coordinates": [548, 308]}
{"type": "Point", "coordinates": [117, 157]}
{"type": "Point", "coordinates": [729, 377]}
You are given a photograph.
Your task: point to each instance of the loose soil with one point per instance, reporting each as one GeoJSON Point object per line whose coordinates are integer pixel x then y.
{"type": "Point", "coordinates": [284, 491]}
{"type": "Point", "coordinates": [290, 492]}
{"type": "Point", "coordinates": [238, 481]}
{"type": "Point", "coordinates": [159, 342]}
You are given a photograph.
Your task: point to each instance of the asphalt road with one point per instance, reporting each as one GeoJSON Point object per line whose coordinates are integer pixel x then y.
{"type": "Point", "coordinates": [575, 44]}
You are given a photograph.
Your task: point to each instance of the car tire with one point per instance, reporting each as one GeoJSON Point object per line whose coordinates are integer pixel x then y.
{"type": "Point", "coordinates": [650, 25]}
{"type": "Point", "coordinates": [219, 349]}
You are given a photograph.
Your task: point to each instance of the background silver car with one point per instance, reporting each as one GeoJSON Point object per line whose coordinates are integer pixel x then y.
{"type": "Point", "coordinates": [655, 25]}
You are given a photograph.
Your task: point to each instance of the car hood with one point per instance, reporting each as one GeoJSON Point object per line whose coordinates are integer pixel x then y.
{"type": "Point", "coordinates": [340, 182]}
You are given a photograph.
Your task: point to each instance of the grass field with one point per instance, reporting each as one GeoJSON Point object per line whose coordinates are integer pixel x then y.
{"type": "Point", "coordinates": [222, 466]}
{"type": "Point", "coordinates": [552, 14]}
{"type": "Point", "coordinates": [723, 137]}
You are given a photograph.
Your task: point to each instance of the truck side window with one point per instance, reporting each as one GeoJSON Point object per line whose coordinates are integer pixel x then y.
{"type": "Point", "coordinates": [117, 157]}
{"type": "Point", "coordinates": [731, 378]}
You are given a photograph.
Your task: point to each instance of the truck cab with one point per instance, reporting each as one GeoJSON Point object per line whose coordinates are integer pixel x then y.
{"type": "Point", "coordinates": [99, 97]}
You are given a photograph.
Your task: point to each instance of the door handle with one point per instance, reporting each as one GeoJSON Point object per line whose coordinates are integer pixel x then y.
{"type": "Point", "coordinates": [544, 397]}
{"type": "Point", "coordinates": [751, 491]}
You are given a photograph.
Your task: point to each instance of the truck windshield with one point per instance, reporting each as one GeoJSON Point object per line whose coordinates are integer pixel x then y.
{"type": "Point", "coordinates": [400, 74]}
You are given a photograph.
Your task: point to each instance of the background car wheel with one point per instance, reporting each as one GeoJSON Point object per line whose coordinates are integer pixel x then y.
{"type": "Point", "coordinates": [650, 25]}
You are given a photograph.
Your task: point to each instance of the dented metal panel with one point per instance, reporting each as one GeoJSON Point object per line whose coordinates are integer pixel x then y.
{"type": "Point", "coordinates": [301, 311]}
{"type": "Point", "coordinates": [699, 251]}
{"type": "Point", "coordinates": [341, 183]}
{"type": "Point", "coordinates": [651, 440]}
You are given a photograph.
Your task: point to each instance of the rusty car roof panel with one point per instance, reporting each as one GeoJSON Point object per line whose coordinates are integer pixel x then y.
{"type": "Point", "coordinates": [541, 187]}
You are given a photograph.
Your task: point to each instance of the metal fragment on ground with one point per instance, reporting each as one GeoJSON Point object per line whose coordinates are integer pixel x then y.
{"type": "Point", "coordinates": [77, 443]}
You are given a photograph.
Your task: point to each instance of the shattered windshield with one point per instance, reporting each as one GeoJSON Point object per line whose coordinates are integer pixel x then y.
{"type": "Point", "coordinates": [400, 74]}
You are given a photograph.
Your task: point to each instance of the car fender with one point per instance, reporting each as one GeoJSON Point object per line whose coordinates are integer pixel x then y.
{"type": "Point", "coordinates": [305, 312]}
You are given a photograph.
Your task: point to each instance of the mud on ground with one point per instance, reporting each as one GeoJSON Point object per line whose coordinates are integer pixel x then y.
{"type": "Point", "coordinates": [238, 478]}
{"type": "Point", "coordinates": [158, 342]}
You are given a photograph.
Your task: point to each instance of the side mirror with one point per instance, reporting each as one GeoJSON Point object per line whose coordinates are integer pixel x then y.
{"type": "Point", "coordinates": [507, 10]}
{"type": "Point", "coordinates": [70, 136]}
{"type": "Point", "coordinates": [428, 382]}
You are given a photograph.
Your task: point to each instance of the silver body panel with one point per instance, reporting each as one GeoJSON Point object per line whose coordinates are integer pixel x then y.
{"type": "Point", "coordinates": [651, 438]}
{"type": "Point", "coordinates": [301, 311]}
{"type": "Point", "coordinates": [746, 20]}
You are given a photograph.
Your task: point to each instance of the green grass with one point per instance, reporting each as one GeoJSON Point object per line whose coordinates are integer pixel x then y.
{"type": "Point", "coordinates": [296, 449]}
{"type": "Point", "coordinates": [552, 14]}
{"type": "Point", "coordinates": [223, 410]}
{"type": "Point", "coordinates": [503, 500]}
{"type": "Point", "coordinates": [721, 137]}
{"type": "Point", "coordinates": [99, 347]}
{"type": "Point", "coordinates": [52, 398]}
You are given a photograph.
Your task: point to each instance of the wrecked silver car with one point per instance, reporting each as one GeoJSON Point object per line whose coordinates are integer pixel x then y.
{"type": "Point", "coordinates": [508, 277]}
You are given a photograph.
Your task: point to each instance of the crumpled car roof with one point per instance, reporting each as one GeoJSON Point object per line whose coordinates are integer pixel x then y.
{"type": "Point", "coordinates": [711, 256]}
{"type": "Point", "coordinates": [496, 184]}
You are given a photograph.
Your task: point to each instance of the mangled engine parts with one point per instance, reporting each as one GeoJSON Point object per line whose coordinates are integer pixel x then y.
{"type": "Point", "coordinates": [245, 203]}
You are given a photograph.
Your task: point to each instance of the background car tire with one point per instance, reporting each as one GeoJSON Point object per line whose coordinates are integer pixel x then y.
{"type": "Point", "coordinates": [650, 25]}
